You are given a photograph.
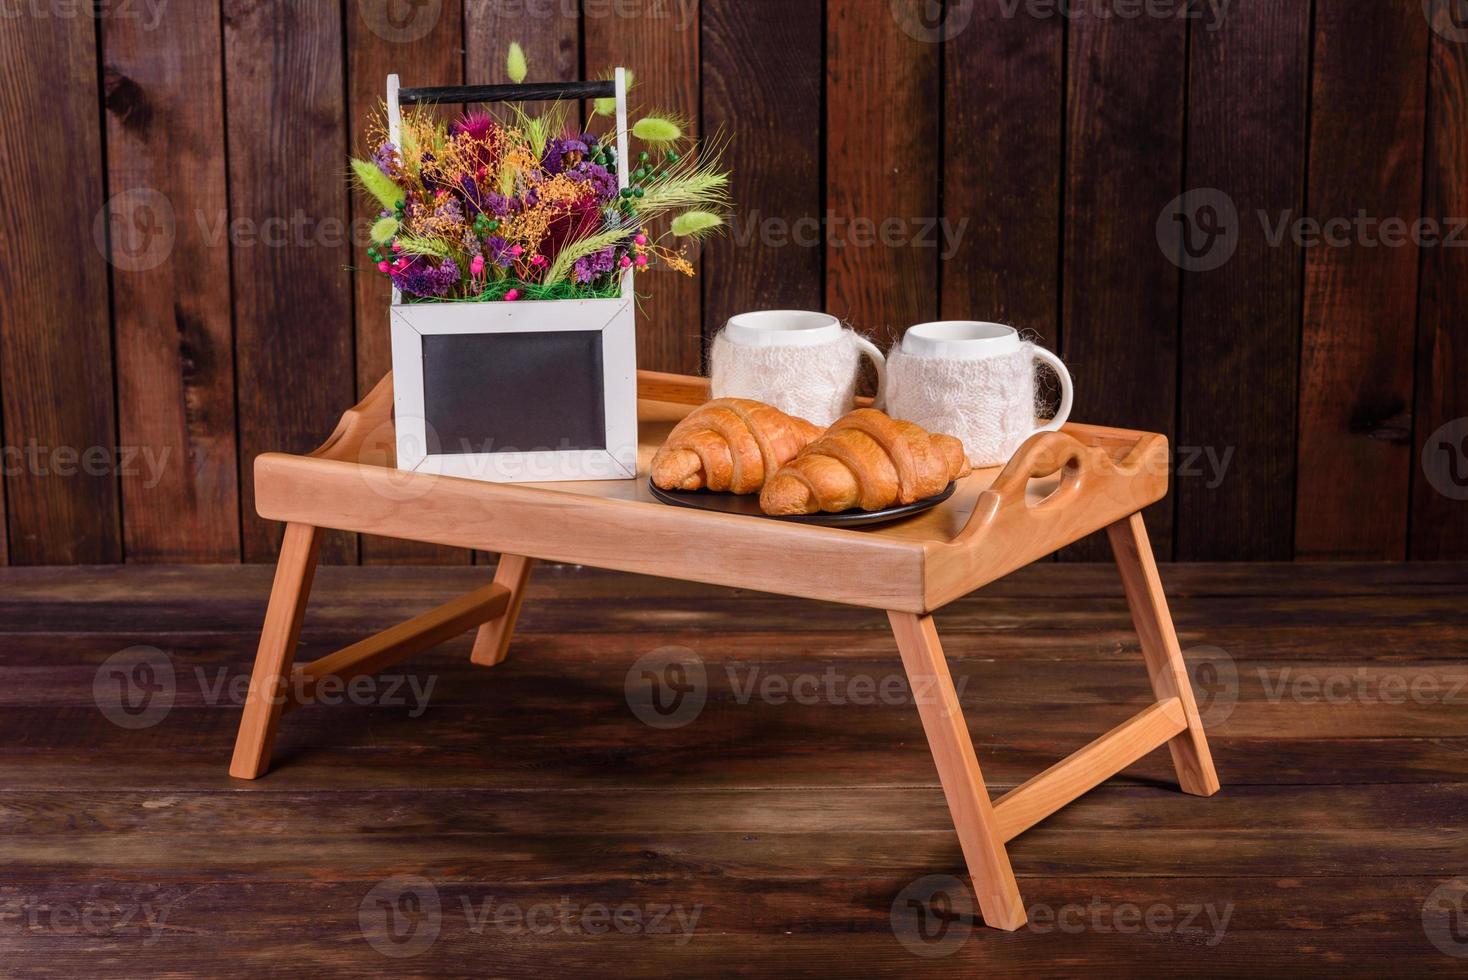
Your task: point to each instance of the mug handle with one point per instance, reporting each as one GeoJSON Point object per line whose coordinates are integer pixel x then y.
{"type": "Point", "coordinates": [874, 354]}
{"type": "Point", "coordinates": [1067, 389]}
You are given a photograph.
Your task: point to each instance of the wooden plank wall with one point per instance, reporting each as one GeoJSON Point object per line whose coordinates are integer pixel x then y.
{"type": "Point", "coordinates": [174, 297]}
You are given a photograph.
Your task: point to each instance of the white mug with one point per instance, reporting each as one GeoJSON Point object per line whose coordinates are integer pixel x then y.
{"type": "Point", "coordinates": [805, 364]}
{"type": "Point", "coordinates": [976, 381]}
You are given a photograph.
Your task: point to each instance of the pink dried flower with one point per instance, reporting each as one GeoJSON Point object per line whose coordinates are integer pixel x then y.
{"type": "Point", "coordinates": [476, 266]}
{"type": "Point", "coordinates": [512, 295]}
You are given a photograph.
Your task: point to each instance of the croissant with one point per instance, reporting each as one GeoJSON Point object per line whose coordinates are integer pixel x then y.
{"type": "Point", "coordinates": [729, 444]}
{"type": "Point", "coordinates": [866, 460]}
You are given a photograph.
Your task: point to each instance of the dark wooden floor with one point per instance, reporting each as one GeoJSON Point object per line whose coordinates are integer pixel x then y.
{"type": "Point", "coordinates": [544, 830]}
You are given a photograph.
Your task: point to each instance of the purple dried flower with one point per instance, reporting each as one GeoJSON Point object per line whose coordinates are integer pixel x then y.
{"type": "Point", "coordinates": [602, 181]}
{"type": "Point", "coordinates": [419, 278]}
{"type": "Point", "coordinates": [561, 154]}
{"type": "Point", "coordinates": [386, 158]}
{"type": "Point", "coordinates": [595, 264]}
{"type": "Point", "coordinates": [497, 250]}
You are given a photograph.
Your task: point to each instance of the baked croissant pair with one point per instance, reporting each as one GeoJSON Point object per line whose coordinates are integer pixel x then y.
{"type": "Point", "coordinates": [865, 460]}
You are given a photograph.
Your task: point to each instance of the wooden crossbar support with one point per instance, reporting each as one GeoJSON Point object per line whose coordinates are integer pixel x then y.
{"type": "Point", "coordinates": [1082, 771]}
{"type": "Point", "coordinates": [391, 646]}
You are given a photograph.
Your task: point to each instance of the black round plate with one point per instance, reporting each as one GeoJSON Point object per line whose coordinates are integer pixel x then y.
{"type": "Point", "coordinates": [747, 505]}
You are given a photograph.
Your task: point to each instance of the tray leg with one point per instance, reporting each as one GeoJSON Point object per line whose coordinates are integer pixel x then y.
{"type": "Point", "coordinates": [492, 644]}
{"type": "Point", "coordinates": [1160, 648]}
{"type": "Point", "coordinates": [293, 574]}
{"type": "Point", "coordinates": [958, 770]}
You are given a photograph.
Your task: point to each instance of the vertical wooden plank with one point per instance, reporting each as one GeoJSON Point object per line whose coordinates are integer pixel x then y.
{"type": "Point", "coordinates": [549, 32]}
{"type": "Point", "coordinates": [765, 87]}
{"type": "Point", "coordinates": [288, 197]}
{"type": "Point", "coordinates": [55, 346]}
{"type": "Point", "coordinates": [1003, 114]}
{"type": "Point", "coordinates": [163, 92]}
{"type": "Point", "coordinates": [1238, 357]}
{"type": "Point", "coordinates": [883, 87]}
{"type": "Point", "coordinates": [1440, 473]}
{"type": "Point", "coordinates": [1356, 370]}
{"type": "Point", "coordinates": [425, 45]}
{"type": "Point", "coordinates": [659, 41]}
{"type": "Point", "coordinates": [1120, 291]}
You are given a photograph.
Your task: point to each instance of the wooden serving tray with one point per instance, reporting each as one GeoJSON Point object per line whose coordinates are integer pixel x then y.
{"type": "Point", "coordinates": [1059, 487]}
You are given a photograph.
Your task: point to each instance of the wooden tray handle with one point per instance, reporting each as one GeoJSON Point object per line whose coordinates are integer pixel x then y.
{"type": "Point", "coordinates": [1039, 456]}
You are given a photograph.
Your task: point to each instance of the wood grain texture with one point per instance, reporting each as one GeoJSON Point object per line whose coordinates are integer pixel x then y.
{"type": "Point", "coordinates": [163, 93]}
{"type": "Point", "coordinates": [1002, 160]}
{"type": "Point", "coordinates": [794, 826]}
{"type": "Point", "coordinates": [765, 88]}
{"type": "Point", "coordinates": [424, 45]}
{"type": "Point", "coordinates": [1440, 521]}
{"type": "Point", "coordinates": [55, 348]}
{"type": "Point", "coordinates": [549, 33]}
{"type": "Point", "coordinates": [882, 161]}
{"type": "Point", "coordinates": [659, 41]}
{"type": "Point", "coordinates": [293, 304]}
{"type": "Point", "coordinates": [1356, 371]}
{"type": "Point", "coordinates": [1238, 353]}
{"type": "Point", "coordinates": [1123, 165]}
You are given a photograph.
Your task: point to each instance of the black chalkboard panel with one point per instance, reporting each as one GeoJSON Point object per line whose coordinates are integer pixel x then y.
{"type": "Point", "coordinates": [514, 392]}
